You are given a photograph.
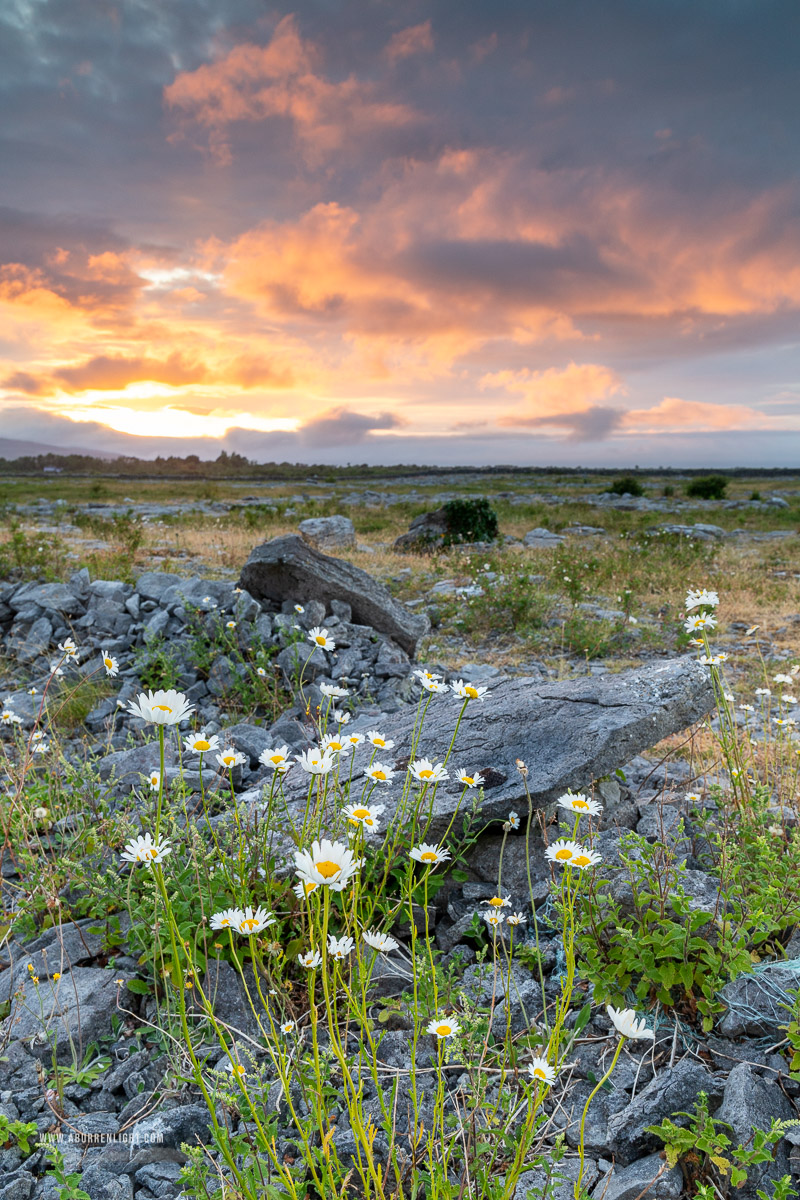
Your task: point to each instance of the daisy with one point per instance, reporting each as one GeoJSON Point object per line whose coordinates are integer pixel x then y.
{"type": "Point", "coordinates": [354, 739]}
{"type": "Point", "coordinates": [782, 722]}
{"type": "Point", "coordinates": [426, 772]}
{"type": "Point", "coordinates": [380, 773]}
{"type": "Point", "coordinates": [260, 671]}
{"type": "Point", "coordinates": [340, 717]}
{"type": "Point", "coordinates": [332, 743]}
{"type": "Point", "coordinates": [339, 948]}
{"type": "Point", "coordinates": [231, 758]}
{"type": "Point", "coordinates": [287, 1027]}
{"type": "Point", "coordinates": [230, 624]}
{"type": "Point", "coordinates": [561, 851]}
{"type": "Point", "coordinates": [584, 857]}
{"type": "Point", "coordinates": [319, 637]}
{"type": "Point", "coordinates": [251, 921]}
{"type": "Point", "coordinates": [701, 621]}
{"type": "Point", "coordinates": [9, 717]}
{"type": "Point", "coordinates": [499, 902]}
{"type": "Point", "coordinates": [38, 735]}
{"type": "Point", "coordinates": [298, 608]}
{"type": "Point", "coordinates": [301, 890]}
{"type": "Point", "coordinates": [782, 679]}
{"type": "Point", "coordinates": [198, 743]}
{"type": "Point", "coordinates": [161, 708]}
{"type": "Point", "coordinates": [747, 708]}
{"type": "Point", "coordinates": [493, 919]}
{"type": "Point", "coordinates": [229, 918]}
{"type": "Point", "coordinates": [470, 781]}
{"type": "Point", "coordinates": [540, 1071]}
{"type": "Point", "coordinates": [443, 1027]}
{"type": "Point", "coordinates": [32, 691]}
{"type": "Point", "coordinates": [713, 660]}
{"type": "Point", "coordinates": [110, 663]}
{"type": "Point", "coordinates": [334, 691]}
{"type": "Point", "coordinates": [379, 740]}
{"type": "Point", "coordinates": [144, 850]}
{"type": "Point", "coordinates": [428, 855]}
{"type": "Point", "coordinates": [41, 748]}
{"type": "Point", "coordinates": [628, 1025]}
{"type": "Point", "coordinates": [364, 814]}
{"type": "Point", "coordinates": [579, 803]}
{"type": "Point", "coordinates": [380, 941]}
{"type": "Point", "coordinates": [434, 685]}
{"type": "Point", "coordinates": [328, 863]}
{"type": "Point", "coordinates": [468, 691]}
{"type": "Point", "coordinates": [700, 599]}
{"type": "Point", "coordinates": [516, 918]}
{"type": "Point", "coordinates": [274, 758]}
{"type": "Point", "coordinates": [310, 960]}
{"type": "Point", "coordinates": [154, 779]}
{"type": "Point", "coordinates": [698, 643]}
{"type": "Point", "coordinates": [693, 797]}
{"type": "Point", "coordinates": [68, 648]}
{"type": "Point", "coordinates": [512, 820]}
{"type": "Point", "coordinates": [426, 676]}
{"type": "Point", "coordinates": [316, 762]}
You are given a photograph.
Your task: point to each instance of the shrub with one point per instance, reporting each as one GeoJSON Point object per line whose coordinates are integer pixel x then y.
{"type": "Point", "coordinates": [707, 487]}
{"type": "Point", "coordinates": [626, 484]}
{"type": "Point", "coordinates": [470, 521]}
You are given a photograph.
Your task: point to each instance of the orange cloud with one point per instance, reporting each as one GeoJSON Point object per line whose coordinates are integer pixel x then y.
{"type": "Point", "coordinates": [682, 416]}
{"type": "Point", "coordinates": [112, 372]}
{"type": "Point", "coordinates": [417, 39]}
{"type": "Point", "coordinates": [254, 83]}
{"type": "Point", "coordinates": [555, 392]}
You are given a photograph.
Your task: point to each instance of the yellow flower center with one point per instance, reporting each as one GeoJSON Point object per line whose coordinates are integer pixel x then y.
{"type": "Point", "coordinates": [328, 869]}
{"type": "Point", "coordinates": [378, 742]}
{"type": "Point", "coordinates": [425, 774]}
{"type": "Point", "coordinates": [471, 692]}
{"type": "Point", "coordinates": [335, 745]}
{"type": "Point", "coordinates": [202, 745]}
{"type": "Point", "coordinates": [319, 640]}
{"type": "Point", "coordinates": [163, 707]}
{"type": "Point", "coordinates": [496, 901]}
{"type": "Point", "coordinates": [563, 855]}
{"type": "Point", "coordinates": [360, 813]}
{"type": "Point", "coordinates": [428, 856]}
{"type": "Point", "coordinates": [444, 1030]}
{"type": "Point", "coordinates": [378, 774]}
{"type": "Point", "coordinates": [467, 779]}
{"type": "Point", "coordinates": [581, 860]}
{"type": "Point", "coordinates": [539, 1073]}
{"type": "Point", "coordinates": [152, 853]}
{"type": "Point", "coordinates": [308, 888]}
{"type": "Point", "coordinates": [579, 804]}
{"type": "Point", "coordinates": [225, 922]}
{"type": "Point", "coordinates": [249, 923]}
{"type": "Point", "coordinates": [109, 662]}
{"type": "Point", "coordinates": [276, 758]}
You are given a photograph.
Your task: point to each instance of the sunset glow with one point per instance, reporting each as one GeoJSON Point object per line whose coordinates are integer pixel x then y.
{"type": "Point", "coordinates": [425, 234]}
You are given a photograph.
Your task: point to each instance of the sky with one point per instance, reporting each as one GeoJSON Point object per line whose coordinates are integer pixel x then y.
{"type": "Point", "coordinates": [529, 232]}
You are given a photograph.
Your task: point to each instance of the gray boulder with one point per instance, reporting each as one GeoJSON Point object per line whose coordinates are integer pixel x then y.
{"type": "Point", "coordinates": [288, 569]}
{"type": "Point", "coordinates": [541, 539]}
{"type": "Point", "coordinates": [328, 533]}
{"type": "Point", "coordinates": [650, 1177]}
{"type": "Point", "coordinates": [72, 1011]}
{"type": "Point", "coordinates": [759, 1004]}
{"type": "Point", "coordinates": [674, 1090]}
{"type": "Point", "coordinates": [752, 1103]}
{"type": "Point", "coordinates": [426, 532]}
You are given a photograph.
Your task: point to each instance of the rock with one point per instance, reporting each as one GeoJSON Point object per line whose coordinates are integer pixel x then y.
{"type": "Point", "coordinates": [751, 1103]}
{"type": "Point", "coordinates": [288, 569]}
{"type": "Point", "coordinates": [328, 533]}
{"type": "Point", "coordinates": [52, 597]}
{"type": "Point", "coordinates": [649, 1177]}
{"type": "Point", "coordinates": [128, 766]}
{"type": "Point", "coordinates": [568, 732]}
{"type": "Point", "coordinates": [167, 1130]}
{"type": "Point", "coordinates": [163, 1178]}
{"type": "Point", "coordinates": [156, 626]}
{"type": "Point", "coordinates": [76, 1009]}
{"type": "Point", "coordinates": [425, 532]}
{"type": "Point", "coordinates": [100, 1184]}
{"type": "Point", "coordinates": [539, 538]}
{"type": "Point", "coordinates": [559, 1179]}
{"type": "Point", "coordinates": [152, 585]}
{"type": "Point", "coordinates": [699, 532]}
{"type": "Point", "coordinates": [299, 659]}
{"type": "Point", "coordinates": [251, 739]}
{"type": "Point", "coordinates": [223, 988]}
{"type": "Point", "coordinates": [674, 1090]}
{"type": "Point", "coordinates": [758, 1004]}
{"type": "Point", "coordinates": [18, 1186]}
{"type": "Point", "coordinates": [37, 641]}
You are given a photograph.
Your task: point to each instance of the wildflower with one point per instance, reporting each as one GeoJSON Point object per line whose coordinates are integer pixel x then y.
{"type": "Point", "coordinates": [231, 758]}
{"type": "Point", "coordinates": [57, 976]}
{"type": "Point", "coordinates": [428, 855]}
{"type": "Point", "coordinates": [434, 685]}
{"type": "Point", "coordinates": [319, 637]}
{"type": "Point", "coordinates": [784, 722]}
{"type": "Point", "coordinates": [540, 1071]}
{"type": "Point", "coordinates": [200, 744]}
{"type": "Point", "coordinates": [251, 921]}
{"type": "Point", "coordinates": [701, 621]}
{"type": "Point", "coordinates": [712, 660]}
{"type": "Point", "coordinates": [700, 599]}
{"type": "Point", "coordinates": [310, 960]}
{"type": "Point", "coordinates": [41, 813]}
{"type": "Point", "coordinates": [230, 624]}
{"type": "Point", "coordinates": [698, 643]}
{"type": "Point", "coordinates": [579, 803]}
{"type": "Point", "coordinates": [729, 696]}
{"type": "Point", "coordinates": [41, 748]}
{"type": "Point", "coordinates": [340, 717]}
{"type": "Point", "coordinates": [229, 918]}
{"type": "Point", "coordinates": [9, 717]}
{"type": "Point", "coordinates": [161, 708]}
{"type": "Point", "coordinates": [287, 1027]}
{"type": "Point", "coordinates": [517, 918]}
{"type": "Point", "coordinates": [692, 797]}
{"type": "Point", "coordinates": [443, 1027]}
{"type": "Point", "coordinates": [339, 948]}
{"type": "Point", "coordinates": [332, 743]}
{"type": "Point", "coordinates": [55, 669]}
{"type": "Point", "coordinates": [512, 820]}
{"type": "Point", "coordinates": [468, 691]}
{"type": "Point", "coordinates": [380, 773]}
{"type": "Point", "coordinates": [561, 851]}
{"type": "Point", "coordinates": [38, 735]}
{"type": "Point", "coordinates": [782, 679]}
{"type": "Point", "coordinates": [585, 857]}
{"type": "Point", "coordinates": [144, 850]}
{"type": "Point", "coordinates": [751, 630]}
{"type": "Point", "coordinates": [493, 919]}
{"type": "Point", "coordinates": [380, 941]}
{"type": "Point", "coordinates": [470, 781]}
{"type": "Point", "coordinates": [379, 740]}
{"type": "Point", "coordinates": [110, 663]}
{"type": "Point", "coordinates": [328, 863]}
{"type": "Point", "coordinates": [426, 772]}
{"type": "Point", "coordinates": [364, 814]}
{"type": "Point", "coordinates": [154, 779]}
{"type": "Point", "coordinates": [32, 691]}
{"type": "Point", "coordinates": [426, 676]}
{"type": "Point", "coordinates": [788, 699]}
{"type": "Point", "coordinates": [354, 739]}
{"type": "Point", "coordinates": [274, 758]}
{"type": "Point", "coordinates": [763, 692]}
{"type": "Point", "coordinates": [260, 671]}
{"type": "Point", "coordinates": [628, 1025]}
{"type": "Point", "coordinates": [68, 648]}
{"type": "Point", "coordinates": [499, 902]}
{"type": "Point", "coordinates": [298, 608]}
{"type": "Point", "coordinates": [747, 708]}
{"type": "Point", "coordinates": [301, 890]}
{"type": "Point", "coordinates": [316, 762]}
{"type": "Point", "coordinates": [334, 691]}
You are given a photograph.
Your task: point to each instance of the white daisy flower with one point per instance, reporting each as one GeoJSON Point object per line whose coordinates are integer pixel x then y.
{"type": "Point", "coordinates": [68, 648]}
{"type": "Point", "coordinates": [9, 717]}
{"type": "Point", "coordinates": [41, 748]}
{"type": "Point", "coordinates": [364, 814]}
{"type": "Point", "coordinates": [561, 851]}
{"type": "Point", "coordinates": [541, 1071]}
{"type": "Point", "coordinates": [379, 740]}
{"type": "Point", "coordinates": [498, 902]}
{"type": "Point", "coordinates": [700, 599]}
{"type": "Point", "coordinates": [339, 948]}
{"type": "Point", "coordinates": [274, 758]}
{"type": "Point", "coordinates": [154, 779]}
{"type": "Point", "coordinates": [493, 919]}
{"type": "Point", "coordinates": [693, 797]}
{"type": "Point", "coordinates": [443, 1027]}
{"type": "Point", "coordinates": [199, 743]}
{"type": "Point", "coordinates": [427, 772]}
{"type": "Point", "coordinates": [316, 762]}
{"type": "Point", "coordinates": [340, 717]}
{"type": "Point", "coordinates": [287, 1027]}
{"type": "Point", "coordinates": [230, 624]}
{"type": "Point", "coordinates": [426, 676]}
{"type": "Point", "coordinates": [334, 691]}
{"type": "Point", "coordinates": [254, 920]}
{"type": "Point", "coordinates": [468, 691]}
{"type": "Point", "coordinates": [516, 918]}
{"type": "Point", "coordinates": [701, 621]}
{"type": "Point", "coordinates": [380, 941]}
{"type": "Point", "coordinates": [512, 820]}
{"type": "Point", "coordinates": [301, 890]}
{"type": "Point", "coordinates": [144, 850]}
{"type": "Point", "coordinates": [354, 739]}
{"type": "Point", "coordinates": [298, 608]}
{"type": "Point", "coordinates": [628, 1024]}
{"type": "Point", "coordinates": [781, 678]}
{"type": "Point", "coordinates": [380, 773]}
{"type": "Point", "coordinates": [161, 708]}
{"type": "Point", "coordinates": [429, 855]}
{"type": "Point", "coordinates": [327, 863]}
{"type": "Point", "coordinates": [229, 918]}
{"type": "Point", "coordinates": [110, 663]}
{"type": "Point", "coordinates": [580, 804]}
{"type": "Point", "coordinates": [230, 758]}
{"type": "Point", "coordinates": [319, 637]}
{"type": "Point", "coordinates": [260, 671]}
{"type": "Point", "coordinates": [334, 743]}
{"type": "Point", "coordinates": [470, 781]}
{"type": "Point", "coordinates": [311, 959]}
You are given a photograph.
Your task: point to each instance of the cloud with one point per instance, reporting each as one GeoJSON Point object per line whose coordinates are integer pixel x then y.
{"type": "Point", "coordinates": [679, 416]}
{"type": "Point", "coordinates": [560, 396]}
{"type": "Point", "coordinates": [341, 427]}
{"type": "Point", "coordinates": [417, 39]}
{"type": "Point", "coordinates": [111, 372]}
{"type": "Point", "coordinates": [591, 424]}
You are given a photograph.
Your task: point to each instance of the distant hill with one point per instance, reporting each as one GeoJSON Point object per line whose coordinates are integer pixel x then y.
{"type": "Point", "coordinates": [11, 448]}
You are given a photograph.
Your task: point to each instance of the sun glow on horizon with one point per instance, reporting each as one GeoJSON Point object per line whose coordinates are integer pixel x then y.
{"type": "Point", "coordinates": [171, 422]}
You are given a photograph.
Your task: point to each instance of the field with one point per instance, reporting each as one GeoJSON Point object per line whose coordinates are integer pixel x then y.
{"type": "Point", "coordinates": [315, 969]}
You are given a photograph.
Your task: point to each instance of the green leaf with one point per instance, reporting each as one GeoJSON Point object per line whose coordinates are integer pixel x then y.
{"type": "Point", "coordinates": [139, 987]}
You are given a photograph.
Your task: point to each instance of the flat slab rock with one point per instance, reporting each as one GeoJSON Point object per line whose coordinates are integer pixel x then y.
{"type": "Point", "coordinates": [568, 734]}
{"type": "Point", "coordinates": [287, 568]}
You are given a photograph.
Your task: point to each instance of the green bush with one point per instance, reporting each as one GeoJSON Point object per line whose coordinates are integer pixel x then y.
{"type": "Point", "coordinates": [707, 487]}
{"type": "Point", "coordinates": [470, 521]}
{"type": "Point", "coordinates": [626, 483]}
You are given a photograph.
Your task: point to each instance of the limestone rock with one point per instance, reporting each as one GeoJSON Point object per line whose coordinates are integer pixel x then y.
{"type": "Point", "coordinates": [328, 533]}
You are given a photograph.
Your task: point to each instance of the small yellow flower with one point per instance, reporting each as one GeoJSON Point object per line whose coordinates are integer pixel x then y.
{"type": "Point", "coordinates": [35, 978]}
{"type": "Point", "coordinates": [57, 976]}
